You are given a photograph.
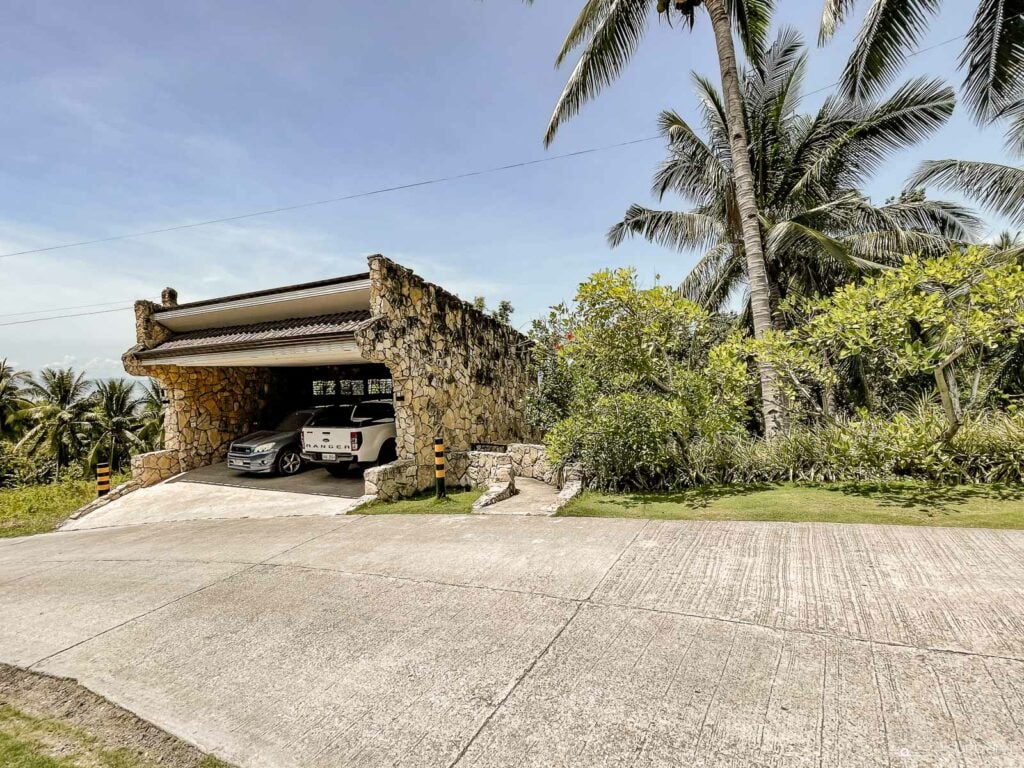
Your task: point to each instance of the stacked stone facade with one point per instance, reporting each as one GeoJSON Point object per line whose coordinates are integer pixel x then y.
{"type": "Point", "coordinates": [206, 408]}
{"type": "Point", "coordinates": [458, 373]}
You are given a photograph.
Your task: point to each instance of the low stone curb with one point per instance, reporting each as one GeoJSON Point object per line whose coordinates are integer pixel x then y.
{"type": "Point", "coordinates": [570, 490]}
{"type": "Point", "coordinates": [497, 491]}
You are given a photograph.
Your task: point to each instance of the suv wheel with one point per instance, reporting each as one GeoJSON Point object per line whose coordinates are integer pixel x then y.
{"type": "Point", "coordinates": [289, 462]}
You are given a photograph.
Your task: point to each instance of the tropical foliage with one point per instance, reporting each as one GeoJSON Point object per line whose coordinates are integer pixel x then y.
{"type": "Point", "coordinates": [647, 390]}
{"type": "Point", "coordinates": [636, 374]}
{"type": "Point", "coordinates": [819, 229]}
{"type": "Point", "coordinates": [992, 58]}
{"type": "Point", "coordinates": [608, 34]}
{"type": "Point", "coordinates": [60, 423]}
{"type": "Point", "coordinates": [954, 318]}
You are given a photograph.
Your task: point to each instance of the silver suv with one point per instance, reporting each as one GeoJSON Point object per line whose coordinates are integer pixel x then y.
{"type": "Point", "coordinates": [271, 451]}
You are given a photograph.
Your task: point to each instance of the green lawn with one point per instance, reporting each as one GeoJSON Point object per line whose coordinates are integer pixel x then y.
{"type": "Point", "coordinates": [40, 508]}
{"type": "Point", "coordinates": [904, 503]}
{"type": "Point", "coordinates": [27, 741]}
{"type": "Point", "coordinates": [456, 503]}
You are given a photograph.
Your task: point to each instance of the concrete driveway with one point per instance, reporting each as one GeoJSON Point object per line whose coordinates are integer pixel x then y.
{"type": "Point", "coordinates": [311, 480]}
{"type": "Point", "coordinates": [519, 641]}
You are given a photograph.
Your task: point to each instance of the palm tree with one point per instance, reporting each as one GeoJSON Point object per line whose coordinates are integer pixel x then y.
{"type": "Point", "coordinates": [115, 421]}
{"type": "Point", "coordinates": [151, 427]}
{"type": "Point", "coordinates": [58, 415]}
{"type": "Point", "coordinates": [11, 383]}
{"type": "Point", "coordinates": [992, 58]}
{"type": "Point", "coordinates": [609, 32]}
{"type": "Point", "coordinates": [819, 230]}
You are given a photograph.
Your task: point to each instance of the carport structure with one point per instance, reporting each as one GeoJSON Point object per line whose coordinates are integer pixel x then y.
{"type": "Point", "coordinates": [228, 364]}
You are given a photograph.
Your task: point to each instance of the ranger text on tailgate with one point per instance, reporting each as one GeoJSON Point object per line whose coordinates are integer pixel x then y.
{"type": "Point", "coordinates": [346, 437]}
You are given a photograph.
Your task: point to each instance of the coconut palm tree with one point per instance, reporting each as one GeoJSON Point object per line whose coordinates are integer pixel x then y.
{"type": "Point", "coordinates": [992, 58]}
{"type": "Point", "coordinates": [115, 422]}
{"type": "Point", "coordinates": [11, 383]}
{"type": "Point", "coordinates": [151, 427]}
{"type": "Point", "coordinates": [609, 31]}
{"type": "Point", "coordinates": [819, 229]}
{"type": "Point", "coordinates": [57, 414]}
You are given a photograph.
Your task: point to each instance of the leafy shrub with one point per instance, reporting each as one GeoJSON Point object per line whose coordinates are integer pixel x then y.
{"type": "Point", "coordinates": [629, 376]}
{"type": "Point", "coordinates": [988, 448]}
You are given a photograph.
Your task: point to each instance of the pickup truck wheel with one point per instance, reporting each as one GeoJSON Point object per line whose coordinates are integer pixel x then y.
{"type": "Point", "coordinates": [289, 462]}
{"type": "Point", "coordinates": [388, 453]}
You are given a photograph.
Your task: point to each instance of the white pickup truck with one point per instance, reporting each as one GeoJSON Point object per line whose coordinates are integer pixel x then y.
{"type": "Point", "coordinates": [348, 436]}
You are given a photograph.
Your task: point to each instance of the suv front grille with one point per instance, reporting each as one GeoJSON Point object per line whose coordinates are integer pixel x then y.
{"type": "Point", "coordinates": [240, 450]}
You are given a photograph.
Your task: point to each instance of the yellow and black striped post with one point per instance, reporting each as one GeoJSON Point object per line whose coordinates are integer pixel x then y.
{"type": "Point", "coordinates": [102, 479]}
{"type": "Point", "coordinates": [439, 467]}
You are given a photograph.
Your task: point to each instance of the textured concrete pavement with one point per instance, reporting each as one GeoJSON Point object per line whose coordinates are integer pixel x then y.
{"type": "Point", "coordinates": [178, 501]}
{"type": "Point", "coordinates": [525, 641]}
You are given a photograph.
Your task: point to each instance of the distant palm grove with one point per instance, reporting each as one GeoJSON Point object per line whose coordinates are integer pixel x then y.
{"type": "Point", "coordinates": [58, 424]}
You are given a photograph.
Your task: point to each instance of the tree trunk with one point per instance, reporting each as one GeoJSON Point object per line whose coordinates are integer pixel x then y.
{"type": "Point", "coordinates": [949, 392]}
{"type": "Point", "coordinates": [746, 201]}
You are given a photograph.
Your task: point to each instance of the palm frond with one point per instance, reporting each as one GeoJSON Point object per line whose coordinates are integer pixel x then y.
{"type": "Point", "coordinates": [833, 14]}
{"type": "Point", "coordinates": [917, 109]}
{"type": "Point", "coordinates": [590, 18]}
{"type": "Point", "coordinates": [673, 229]}
{"type": "Point", "coordinates": [891, 28]}
{"type": "Point", "coordinates": [999, 188]}
{"type": "Point", "coordinates": [753, 19]}
{"type": "Point", "coordinates": [993, 57]}
{"type": "Point", "coordinates": [1014, 114]}
{"type": "Point", "coordinates": [693, 169]}
{"type": "Point", "coordinates": [713, 279]}
{"type": "Point", "coordinates": [614, 32]}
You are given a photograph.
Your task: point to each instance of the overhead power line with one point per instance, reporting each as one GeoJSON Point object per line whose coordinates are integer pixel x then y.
{"type": "Point", "coordinates": [328, 201]}
{"type": "Point", "coordinates": [386, 190]}
{"type": "Point", "coordinates": [64, 309]}
{"type": "Point", "coordinates": [62, 317]}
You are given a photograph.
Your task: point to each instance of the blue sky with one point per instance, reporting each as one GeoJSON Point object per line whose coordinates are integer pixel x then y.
{"type": "Point", "coordinates": [120, 117]}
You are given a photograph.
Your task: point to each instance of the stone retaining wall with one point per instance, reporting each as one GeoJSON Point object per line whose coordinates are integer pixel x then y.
{"type": "Point", "coordinates": [152, 468]}
{"type": "Point", "coordinates": [391, 482]}
{"type": "Point", "coordinates": [458, 373]}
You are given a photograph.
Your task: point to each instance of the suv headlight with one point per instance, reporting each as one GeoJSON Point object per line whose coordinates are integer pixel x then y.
{"type": "Point", "coordinates": [264, 448]}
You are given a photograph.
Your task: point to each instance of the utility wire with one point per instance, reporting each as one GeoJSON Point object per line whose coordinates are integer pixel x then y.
{"type": "Point", "coordinates": [357, 195]}
{"type": "Point", "coordinates": [909, 56]}
{"type": "Point", "coordinates": [385, 190]}
{"type": "Point", "coordinates": [63, 309]}
{"type": "Point", "coordinates": [62, 317]}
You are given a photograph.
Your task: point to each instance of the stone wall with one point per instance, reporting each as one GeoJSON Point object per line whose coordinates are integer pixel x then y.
{"type": "Point", "coordinates": [530, 460]}
{"type": "Point", "coordinates": [458, 373]}
{"type": "Point", "coordinates": [152, 468]}
{"type": "Point", "coordinates": [392, 481]}
{"type": "Point", "coordinates": [206, 407]}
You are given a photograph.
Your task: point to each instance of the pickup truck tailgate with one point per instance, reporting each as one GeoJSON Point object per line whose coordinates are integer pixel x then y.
{"type": "Point", "coordinates": [327, 440]}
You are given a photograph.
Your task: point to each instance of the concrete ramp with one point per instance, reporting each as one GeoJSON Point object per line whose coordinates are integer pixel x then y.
{"type": "Point", "coordinates": [532, 498]}
{"type": "Point", "coordinates": [178, 501]}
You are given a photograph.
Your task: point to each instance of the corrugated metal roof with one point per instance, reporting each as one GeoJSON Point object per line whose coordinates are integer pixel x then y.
{"type": "Point", "coordinates": [276, 331]}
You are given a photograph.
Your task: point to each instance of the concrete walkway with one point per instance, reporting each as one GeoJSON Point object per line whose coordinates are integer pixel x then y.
{"type": "Point", "coordinates": [532, 498]}
{"type": "Point", "coordinates": [528, 641]}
